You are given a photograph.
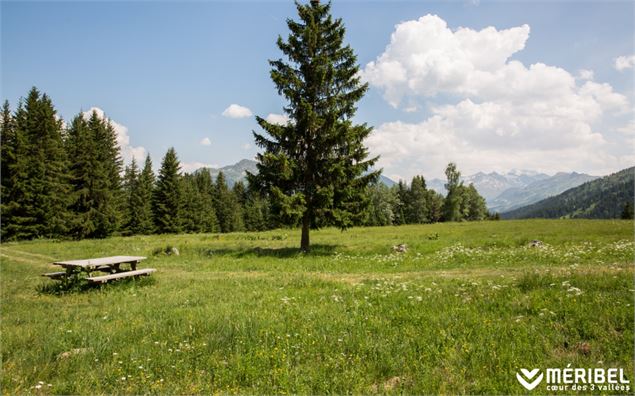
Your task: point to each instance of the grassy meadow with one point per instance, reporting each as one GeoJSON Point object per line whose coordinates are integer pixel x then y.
{"type": "Point", "coordinates": [461, 311]}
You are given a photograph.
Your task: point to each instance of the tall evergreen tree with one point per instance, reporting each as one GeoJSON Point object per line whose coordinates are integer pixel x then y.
{"type": "Point", "coordinates": [227, 207]}
{"type": "Point", "coordinates": [7, 148]}
{"type": "Point", "coordinates": [315, 166]}
{"type": "Point", "coordinates": [143, 200]}
{"type": "Point", "coordinates": [192, 209]}
{"type": "Point", "coordinates": [37, 201]}
{"type": "Point", "coordinates": [131, 194]}
{"type": "Point", "coordinates": [167, 202]}
{"type": "Point", "coordinates": [95, 167]}
{"type": "Point", "coordinates": [205, 187]}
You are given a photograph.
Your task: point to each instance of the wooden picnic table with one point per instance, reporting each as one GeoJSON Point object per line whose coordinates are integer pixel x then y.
{"type": "Point", "coordinates": [110, 265]}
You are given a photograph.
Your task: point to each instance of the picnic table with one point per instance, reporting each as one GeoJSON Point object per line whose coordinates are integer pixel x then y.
{"type": "Point", "coordinates": [112, 266]}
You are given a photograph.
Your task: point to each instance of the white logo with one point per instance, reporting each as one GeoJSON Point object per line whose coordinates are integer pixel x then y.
{"type": "Point", "coordinates": [529, 375]}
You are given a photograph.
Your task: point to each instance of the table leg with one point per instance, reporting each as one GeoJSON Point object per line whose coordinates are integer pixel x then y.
{"type": "Point", "coordinates": [133, 265]}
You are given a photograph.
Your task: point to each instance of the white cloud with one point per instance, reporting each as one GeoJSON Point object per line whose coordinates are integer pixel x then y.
{"type": "Point", "coordinates": [128, 152]}
{"type": "Point", "coordinates": [237, 111]}
{"type": "Point", "coordinates": [190, 167]}
{"type": "Point", "coordinates": [279, 119]}
{"type": "Point", "coordinates": [624, 62]}
{"type": "Point", "coordinates": [246, 146]}
{"type": "Point", "coordinates": [507, 115]}
{"type": "Point", "coordinates": [584, 74]}
{"type": "Point", "coordinates": [205, 142]}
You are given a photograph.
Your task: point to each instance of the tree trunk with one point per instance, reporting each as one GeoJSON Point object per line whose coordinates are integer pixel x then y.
{"type": "Point", "coordinates": [306, 226]}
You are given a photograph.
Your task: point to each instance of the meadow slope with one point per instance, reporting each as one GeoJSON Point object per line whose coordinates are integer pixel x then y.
{"type": "Point", "coordinates": [461, 311]}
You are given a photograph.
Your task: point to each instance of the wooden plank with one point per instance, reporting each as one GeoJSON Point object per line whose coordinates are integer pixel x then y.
{"type": "Point", "coordinates": [96, 262]}
{"type": "Point", "coordinates": [55, 275]}
{"type": "Point", "coordinates": [125, 274]}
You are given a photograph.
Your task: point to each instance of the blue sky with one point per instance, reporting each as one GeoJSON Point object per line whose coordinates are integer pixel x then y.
{"type": "Point", "coordinates": [166, 71]}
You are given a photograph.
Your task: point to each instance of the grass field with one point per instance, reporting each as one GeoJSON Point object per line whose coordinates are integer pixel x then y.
{"type": "Point", "coordinates": [460, 312]}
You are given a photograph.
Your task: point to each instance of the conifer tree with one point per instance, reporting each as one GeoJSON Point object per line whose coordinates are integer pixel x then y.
{"type": "Point", "coordinates": [192, 210]}
{"type": "Point", "coordinates": [167, 202]}
{"type": "Point", "coordinates": [143, 199]}
{"type": "Point", "coordinates": [205, 187]}
{"type": "Point", "coordinates": [37, 201]}
{"type": "Point", "coordinates": [97, 198]}
{"type": "Point", "coordinates": [131, 194]}
{"type": "Point", "coordinates": [227, 208]}
{"type": "Point", "coordinates": [7, 148]}
{"type": "Point", "coordinates": [314, 167]}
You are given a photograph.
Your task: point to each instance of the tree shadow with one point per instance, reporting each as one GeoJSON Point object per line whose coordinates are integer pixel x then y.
{"type": "Point", "coordinates": [78, 285]}
{"type": "Point", "coordinates": [317, 250]}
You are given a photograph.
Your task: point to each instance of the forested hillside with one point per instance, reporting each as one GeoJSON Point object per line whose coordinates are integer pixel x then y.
{"type": "Point", "coordinates": [608, 197]}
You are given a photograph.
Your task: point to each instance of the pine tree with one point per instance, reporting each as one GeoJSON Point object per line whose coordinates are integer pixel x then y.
{"type": "Point", "coordinates": [205, 187]}
{"type": "Point", "coordinates": [81, 149]}
{"type": "Point", "coordinates": [7, 148]}
{"type": "Point", "coordinates": [37, 202]}
{"type": "Point", "coordinates": [143, 200]}
{"type": "Point", "coordinates": [8, 142]}
{"type": "Point", "coordinates": [315, 166]}
{"type": "Point", "coordinates": [167, 202]}
{"type": "Point", "coordinates": [192, 208]}
{"type": "Point", "coordinates": [227, 208]}
{"type": "Point", "coordinates": [97, 198]}
{"type": "Point", "coordinates": [131, 194]}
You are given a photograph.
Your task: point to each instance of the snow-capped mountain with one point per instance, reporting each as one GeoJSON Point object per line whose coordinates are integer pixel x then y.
{"type": "Point", "coordinates": [491, 185]}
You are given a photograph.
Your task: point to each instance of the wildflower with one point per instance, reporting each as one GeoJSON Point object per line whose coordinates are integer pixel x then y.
{"type": "Point", "coordinates": [123, 378]}
{"type": "Point", "coordinates": [38, 386]}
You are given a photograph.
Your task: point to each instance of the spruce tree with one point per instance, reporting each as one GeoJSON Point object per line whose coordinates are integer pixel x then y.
{"type": "Point", "coordinates": [315, 167]}
{"type": "Point", "coordinates": [227, 207]}
{"type": "Point", "coordinates": [205, 187]}
{"type": "Point", "coordinates": [7, 148]}
{"type": "Point", "coordinates": [143, 200]}
{"type": "Point", "coordinates": [192, 209]}
{"type": "Point", "coordinates": [167, 202]}
{"type": "Point", "coordinates": [131, 195]}
{"type": "Point", "coordinates": [97, 198]}
{"type": "Point", "coordinates": [38, 199]}
{"type": "Point", "coordinates": [7, 160]}
{"type": "Point", "coordinates": [81, 150]}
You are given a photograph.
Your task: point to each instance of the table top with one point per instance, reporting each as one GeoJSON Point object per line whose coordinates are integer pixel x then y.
{"type": "Point", "coordinates": [96, 262]}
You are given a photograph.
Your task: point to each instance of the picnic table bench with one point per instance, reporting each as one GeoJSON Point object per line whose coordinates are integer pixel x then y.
{"type": "Point", "coordinates": [110, 265]}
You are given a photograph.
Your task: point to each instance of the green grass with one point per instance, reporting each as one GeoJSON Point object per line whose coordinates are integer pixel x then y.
{"type": "Point", "coordinates": [460, 312]}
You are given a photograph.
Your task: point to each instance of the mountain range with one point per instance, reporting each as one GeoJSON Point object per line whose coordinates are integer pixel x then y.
{"type": "Point", "coordinates": [502, 192]}
{"type": "Point", "coordinates": [601, 198]}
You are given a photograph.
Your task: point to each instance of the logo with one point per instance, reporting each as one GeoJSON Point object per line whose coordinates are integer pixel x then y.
{"type": "Point", "coordinates": [529, 375]}
{"type": "Point", "coordinates": [569, 379]}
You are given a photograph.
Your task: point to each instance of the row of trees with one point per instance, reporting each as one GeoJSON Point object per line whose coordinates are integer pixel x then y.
{"type": "Point", "coordinates": [416, 204]}
{"type": "Point", "coordinates": [62, 180]}
{"type": "Point", "coordinates": [69, 181]}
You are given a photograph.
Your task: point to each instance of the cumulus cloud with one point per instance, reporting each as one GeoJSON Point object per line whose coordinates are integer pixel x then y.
{"type": "Point", "coordinates": [584, 74]}
{"type": "Point", "coordinates": [624, 62]}
{"type": "Point", "coordinates": [246, 146]}
{"type": "Point", "coordinates": [507, 115]}
{"type": "Point", "coordinates": [189, 167]}
{"type": "Point", "coordinates": [128, 152]}
{"type": "Point", "coordinates": [205, 142]}
{"type": "Point", "coordinates": [237, 111]}
{"type": "Point", "coordinates": [279, 119]}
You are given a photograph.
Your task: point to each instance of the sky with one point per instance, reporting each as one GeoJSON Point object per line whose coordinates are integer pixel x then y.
{"type": "Point", "coordinates": [545, 86]}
